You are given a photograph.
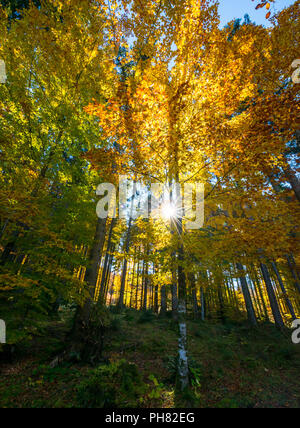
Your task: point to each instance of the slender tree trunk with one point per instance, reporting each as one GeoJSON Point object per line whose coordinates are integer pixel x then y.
{"type": "Point", "coordinates": [107, 257]}
{"type": "Point", "coordinates": [108, 274]}
{"type": "Point", "coordinates": [137, 283]}
{"type": "Point", "coordinates": [177, 228]}
{"type": "Point", "coordinates": [183, 368]}
{"type": "Point", "coordinates": [146, 284]}
{"type": "Point", "coordinates": [295, 266]}
{"type": "Point", "coordinates": [272, 297]}
{"type": "Point", "coordinates": [261, 294]}
{"type": "Point", "coordinates": [124, 272]}
{"type": "Point", "coordinates": [287, 300]}
{"type": "Point", "coordinates": [259, 304]}
{"type": "Point", "coordinates": [3, 228]}
{"type": "Point", "coordinates": [163, 300]}
{"type": "Point", "coordinates": [142, 285]}
{"type": "Point", "coordinates": [194, 295]}
{"type": "Point", "coordinates": [230, 294]}
{"type": "Point", "coordinates": [221, 308]}
{"type": "Point", "coordinates": [195, 303]}
{"type": "Point", "coordinates": [254, 298]}
{"type": "Point", "coordinates": [174, 293]}
{"type": "Point", "coordinates": [156, 299]}
{"type": "Point", "coordinates": [293, 272]}
{"type": "Point", "coordinates": [247, 297]}
{"type": "Point", "coordinates": [202, 304]}
{"type": "Point", "coordinates": [112, 289]}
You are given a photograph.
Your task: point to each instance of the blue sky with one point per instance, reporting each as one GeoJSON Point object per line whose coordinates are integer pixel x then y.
{"type": "Point", "coordinates": [230, 9]}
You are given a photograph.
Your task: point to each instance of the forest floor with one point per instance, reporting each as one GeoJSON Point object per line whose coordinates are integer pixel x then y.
{"type": "Point", "coordinates": [231, 366]}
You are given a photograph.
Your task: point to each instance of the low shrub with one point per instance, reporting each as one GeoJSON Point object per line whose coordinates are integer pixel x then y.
{"type": "Point", "coordinates": [117, 384]}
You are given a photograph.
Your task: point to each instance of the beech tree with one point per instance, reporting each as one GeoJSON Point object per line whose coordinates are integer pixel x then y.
{"type": "Point", "coordinates": [157, 91]}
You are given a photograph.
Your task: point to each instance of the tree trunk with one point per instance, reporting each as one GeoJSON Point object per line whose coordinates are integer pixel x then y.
{"type": "Point", "coordinates": [194, 295]}
{"type": "Point", "coordinates": [272, 298]}
{"type": "Point", "coordinates": [293, 272]}
{"type": "Point", "coordinates": [106, 261]}
{"type": "Point", "coordinates": [156, 299]}
{"type": "Point", "coordinates": [247, 297]}
{"type": "Point", "coordinates": [146, 284]}
{"type": "Point", "coordinates": [288, 302]}
{"type": "Point", "coordinates": [183, 368]}
{"type": "Point", "coordinates": [163, 300]}
{"type": "Point", "coordinates": [124, 272]}
{"type": "Point", "coordinates": [221, 308]}
{"type": "Point", "coordinates": [293, 180]}
{"type": "Point", "coordinates": [3, 228]}
{"type": "Point", "coordinates": [108, 274]}
{"type": "Point", "coordinates": [202, 305]}
{"type": "Point", "coordinates": [86, 338]}
{"type": "Point", "coordinates": [195, 303]}
{"type": "Point", "coordinates": [91, 274]}
{"type": "Point", "coordinates": [258, 284]}
{"type": "Point", "coordinates": [174, 297]}
{"type": "Point", "coordinates": [137, 283]}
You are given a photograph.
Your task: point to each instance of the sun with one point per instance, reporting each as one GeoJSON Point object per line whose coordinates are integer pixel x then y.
{"type": "Point", "coordinates": [168, 211]}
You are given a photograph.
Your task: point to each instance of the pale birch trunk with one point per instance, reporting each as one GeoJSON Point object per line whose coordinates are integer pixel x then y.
{"type": "Point", "coordinates": [183, 368]}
